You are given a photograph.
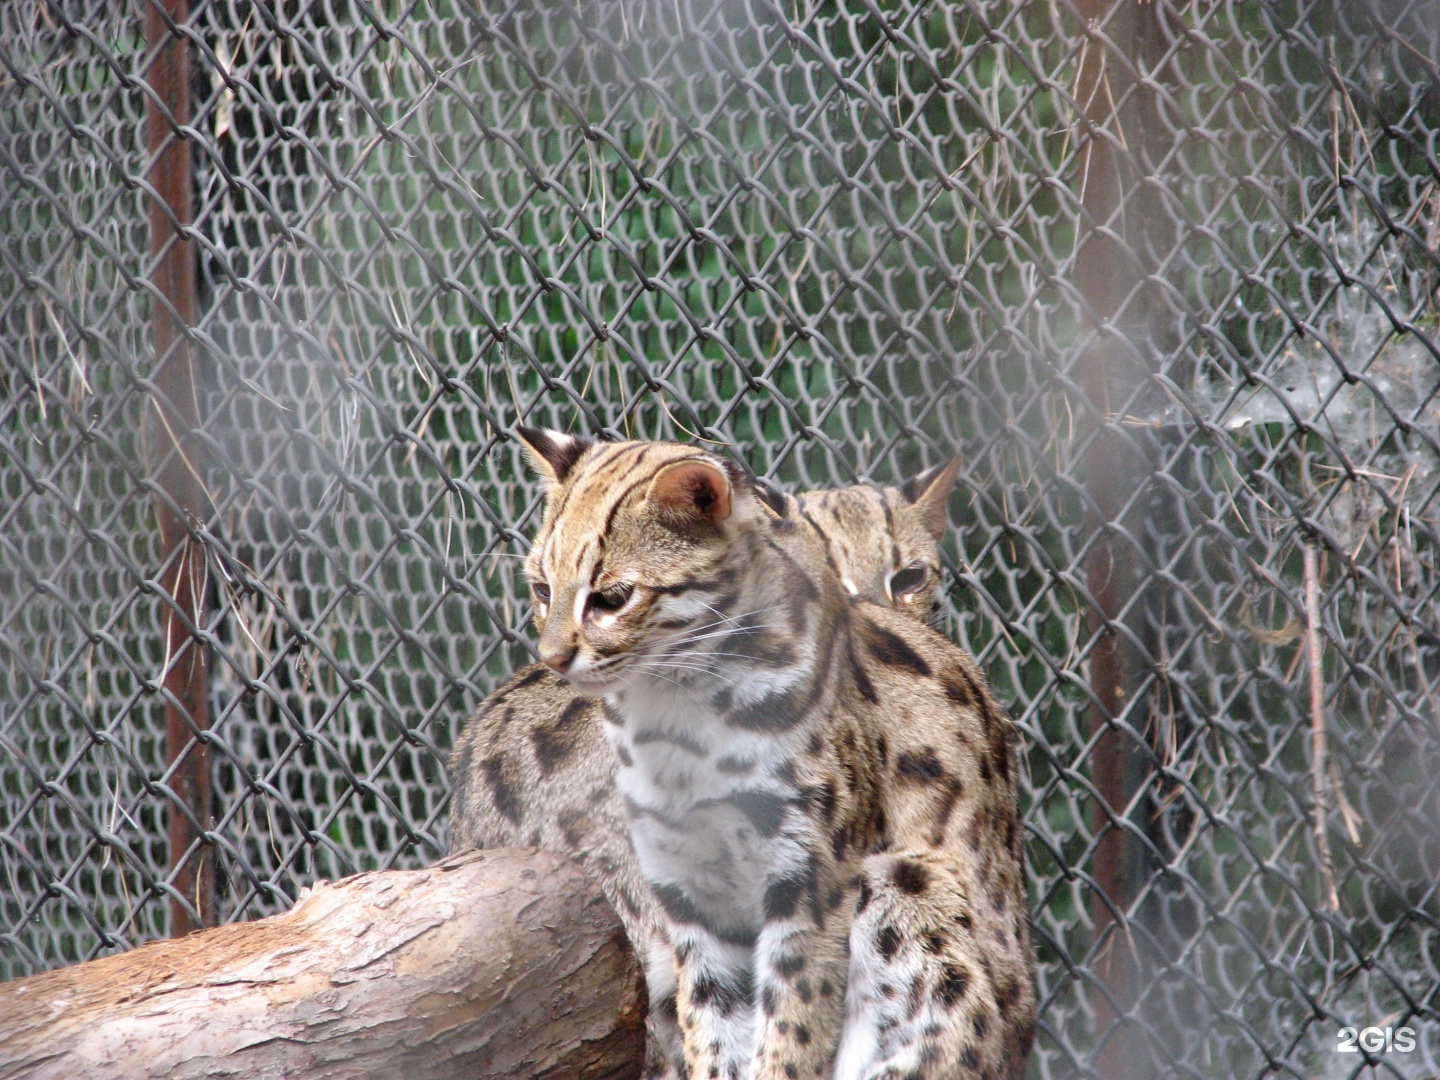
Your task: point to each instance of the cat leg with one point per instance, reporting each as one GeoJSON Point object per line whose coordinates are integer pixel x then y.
{"type": "Point", "coordinates": [928, 987]}
{"type": "Point", "coordinates": [767, 1009]}
{"type": "Point", "coordinates": [800, 971]}
{"type": "Point", "coordinates": [664, 1054]}
{"type": "Point", "coordinates": [715, 996]}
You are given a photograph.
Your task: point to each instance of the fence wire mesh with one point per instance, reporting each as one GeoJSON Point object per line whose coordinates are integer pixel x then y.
{"type": "Point", "coordinates": [1164, 273]}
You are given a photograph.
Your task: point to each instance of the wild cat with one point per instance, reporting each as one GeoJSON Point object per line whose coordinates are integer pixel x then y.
{"type": "Point", "coordinates": [533, 767]}
{"type": "Point", "coordinates": [820, 791]}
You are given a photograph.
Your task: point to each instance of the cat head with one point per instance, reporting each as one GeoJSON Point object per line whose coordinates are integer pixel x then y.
{"type": "Point", "coordinates": [637, 548]}
{"type": "Point", "coordinates": [885, 541]}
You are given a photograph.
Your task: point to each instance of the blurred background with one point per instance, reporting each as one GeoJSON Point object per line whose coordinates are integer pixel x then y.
{"type": "Point", "coordinates": [277, 278]}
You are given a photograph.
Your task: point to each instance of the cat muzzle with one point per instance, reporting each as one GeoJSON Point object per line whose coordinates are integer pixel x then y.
{"type": "Point", "coordinates": [558, 657]}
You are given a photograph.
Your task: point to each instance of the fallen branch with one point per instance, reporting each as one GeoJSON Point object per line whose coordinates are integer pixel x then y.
{"type": "Point", "coordinates": [490, 964]}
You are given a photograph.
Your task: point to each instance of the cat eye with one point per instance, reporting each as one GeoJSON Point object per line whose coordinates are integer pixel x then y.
{"type": "Point", "coordinates": [542, 597]}
{"type": "Point", "coordinates": [905, 583]}
{"type": "Point", "coordinates": [611, 599]}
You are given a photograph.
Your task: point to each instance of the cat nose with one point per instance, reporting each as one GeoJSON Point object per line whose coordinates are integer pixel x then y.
{"type": "Point", "coordinates": [557, 656]}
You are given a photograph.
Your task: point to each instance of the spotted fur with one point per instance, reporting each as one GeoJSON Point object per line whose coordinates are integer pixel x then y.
{"type": "Point", "coordinates": [820, 791]}
{"type": "Point", "coordinates": [532, 768]}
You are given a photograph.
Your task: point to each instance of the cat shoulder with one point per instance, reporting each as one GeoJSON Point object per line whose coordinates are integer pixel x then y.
{"type": "Point", "coordinates": [916, 667]}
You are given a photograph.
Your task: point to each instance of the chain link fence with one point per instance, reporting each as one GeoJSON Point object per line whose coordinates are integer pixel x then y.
{"type": "Point", "coordinates": [276, 279]}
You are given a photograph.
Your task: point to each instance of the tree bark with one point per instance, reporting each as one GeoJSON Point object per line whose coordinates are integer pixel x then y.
{"type": "Point", "coordinates": [489, 964]}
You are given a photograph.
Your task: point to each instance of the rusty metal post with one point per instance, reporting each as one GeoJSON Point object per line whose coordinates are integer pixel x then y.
{"type": "Point", "coordinates": [177, 462]}
{"type": "Point", "coordinates": [1106, 276]}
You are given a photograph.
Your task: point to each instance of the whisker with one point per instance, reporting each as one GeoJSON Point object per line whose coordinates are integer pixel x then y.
{"type": "Point", "coordinates": [672, 666]}
{"type": "Point", "coordinates": [730, 655]}
{"type": "Point", "coordinates": [673, 682]}
{"type": "Point", "coordinates": [725, 618]}
{"type": "Point", "coordinates": [689, 667]}
{"type": "Point", "coordinates": [693, 633]}
{"type": "Point", "coordinates": [734, 618]}
{"type": "Point", "coordinates": [689, 638]}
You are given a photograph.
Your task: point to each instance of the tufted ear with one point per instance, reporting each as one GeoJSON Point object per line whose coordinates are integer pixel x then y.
{"type": "Point", "coordinates": [553, 454]}
{"type": "Point", "coordinates": [930, 491]}
{"type": "Point", "coordinates": [691, 492]}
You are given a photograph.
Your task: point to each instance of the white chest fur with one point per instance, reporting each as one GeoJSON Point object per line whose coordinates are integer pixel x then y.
{"type": "Point", "coordinates": [713, 813]}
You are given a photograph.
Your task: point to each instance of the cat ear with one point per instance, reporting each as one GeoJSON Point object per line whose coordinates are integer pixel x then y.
{"type": "Point", "coordinates": [743, 480]}
{"type": "Point", "coordinates": [552, 453]}
{"type": "Point", "coordinates": [930, 494]}
{"type": "Point", "coordinates": [691, 491]}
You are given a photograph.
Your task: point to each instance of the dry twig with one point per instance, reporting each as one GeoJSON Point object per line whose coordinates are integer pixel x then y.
{"type": "Point", "coordinates": [1317, 726]}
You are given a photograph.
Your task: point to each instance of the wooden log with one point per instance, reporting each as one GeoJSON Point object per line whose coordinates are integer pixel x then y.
{"type": "Point", "coordinates": [506, 963]}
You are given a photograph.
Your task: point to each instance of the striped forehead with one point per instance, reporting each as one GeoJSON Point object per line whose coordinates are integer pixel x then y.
{"type": "Point", "coordinates": [906, 518]}
{"type": "Point", "coordinates": [859, 517]}
{"type": "Point", "coordinates": [604, 480]}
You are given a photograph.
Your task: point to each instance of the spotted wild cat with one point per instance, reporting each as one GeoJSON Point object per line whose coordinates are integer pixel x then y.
{"type": "Point", "coordinates": [820, 791]}
{"type": "Point", "coordinates": [533, 768]}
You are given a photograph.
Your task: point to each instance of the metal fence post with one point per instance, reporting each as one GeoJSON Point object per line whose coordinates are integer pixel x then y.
{"type": "Point", "coordinates": [177, 463]}
{"type": "Point", "coordinates": [1107, 276]}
